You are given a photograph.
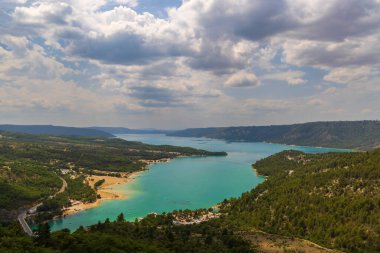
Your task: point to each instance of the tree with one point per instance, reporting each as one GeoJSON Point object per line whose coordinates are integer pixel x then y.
{"type": "Point", "coordinates": [43, 234]}
{"type": "Point", "coordinates": [120, 218]}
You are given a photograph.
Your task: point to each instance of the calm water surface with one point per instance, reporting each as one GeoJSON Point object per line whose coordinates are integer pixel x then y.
{"type": "Point", "coordinates": [184, 183]}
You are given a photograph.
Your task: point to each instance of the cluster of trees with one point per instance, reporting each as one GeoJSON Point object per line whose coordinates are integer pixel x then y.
{"type": "Point", "coordinates": [76, 191]}
{"type": "Point", "coordinates": [99, 183]}
{"type": "Point", "coordinates": [23, 181]}
{"type": "Point", "coordinates": [332, 199]}
{"type": "Point", "coordinates": [284, 161]}
{"type": "Point", "coordinates": [13, 239]}
{"type": "Point", "coordinates": [152, 234]}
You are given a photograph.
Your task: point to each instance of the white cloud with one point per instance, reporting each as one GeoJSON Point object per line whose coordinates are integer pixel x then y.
{"type": "Point", "coordinates": [25, 59]}
{"type": "Point", "coordinates": [349, 52]}
{"type": "Point", "coordinates": [46, 13]}
{"type": "Point", "coordinates": [353, 75]}
{"type": "Point", "coordinates": [334, 20]}
{"type": "Point", "coordinates": [136, 61]}
{"type": "Point", "coordinates": [292, 77]}
{"type": "Point", "coordinates": [242, 79]}
{"type": "Point", "coordinates": [129, 3]}
{"type": "Point", "coordinates": [316, 102]}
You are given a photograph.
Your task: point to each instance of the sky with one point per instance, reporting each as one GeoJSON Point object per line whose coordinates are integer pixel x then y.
{"type": "Point", "coordinates": [192, 63]}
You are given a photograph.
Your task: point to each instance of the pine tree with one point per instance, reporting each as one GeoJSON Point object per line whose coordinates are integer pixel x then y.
{"type": "Point", "coordinates": [120, 218]}
{"type": "Point", "coordinates": [43, 234]}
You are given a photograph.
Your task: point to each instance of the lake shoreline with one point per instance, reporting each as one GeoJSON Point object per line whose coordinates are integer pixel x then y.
{"type": "Point", "coordinates": [106, 191]}
{"type": "Point", "coordinates": [185, 183]}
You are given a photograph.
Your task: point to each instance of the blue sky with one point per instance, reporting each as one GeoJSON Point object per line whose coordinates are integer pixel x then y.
{"type": "Point", "coordinates": [193, 63]}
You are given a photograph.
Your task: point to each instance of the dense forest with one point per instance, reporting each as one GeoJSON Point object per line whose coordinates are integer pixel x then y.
{"type": "Point", "coordinates": [332, 199]}
{"type": "Point", "coordinates": [152, 234]}
{"type": "Point", "coordinates": [340, 134]}
{"type": "Point", "coordinates": [23, 181]}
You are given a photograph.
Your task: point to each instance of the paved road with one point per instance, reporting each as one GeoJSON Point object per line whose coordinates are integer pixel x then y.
{"type": "Point", "coordinates": [22, 216]}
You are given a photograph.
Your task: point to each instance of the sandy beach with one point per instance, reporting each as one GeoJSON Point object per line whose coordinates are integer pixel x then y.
{"type": "Point", "coordinates": [107, 191]}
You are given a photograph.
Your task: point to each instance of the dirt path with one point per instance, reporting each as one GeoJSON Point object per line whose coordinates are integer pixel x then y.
{"type": "Point", "coordinates": [271, 243]}
{"type": "Point", "coordinates": [63, 188]}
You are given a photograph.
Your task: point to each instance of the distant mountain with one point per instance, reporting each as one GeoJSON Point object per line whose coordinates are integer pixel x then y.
{"type": "Point", "coordinates": [339, 134]}
{"type": "Point", "coordinates": [54, 130]}
{"type": "Point", "coordinates": [124, 130]}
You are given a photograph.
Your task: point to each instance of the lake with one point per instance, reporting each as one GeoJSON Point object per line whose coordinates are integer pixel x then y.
{"type": "Point", "coordinates": [184, 183]}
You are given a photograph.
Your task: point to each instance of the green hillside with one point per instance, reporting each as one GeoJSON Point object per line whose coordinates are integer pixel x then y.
{"type": "Point", "coordinates": [340, 134]}
{"type": "Point", "coordinates": [153, 234]}
{"type": "Point", "coordinates": [332, 199]}
{"type": "Point", "coordinates": [124, 130]}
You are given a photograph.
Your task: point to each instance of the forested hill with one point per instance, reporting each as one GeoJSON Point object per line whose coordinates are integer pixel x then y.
{"type": "Point", "coordinates": [124, 130]}
{"type": "Point", "coordinates": [54, 130]}
{"type": "Point", "coordinates": [331, 199]}
{"type": "Point", "coordinates": [363, 135]}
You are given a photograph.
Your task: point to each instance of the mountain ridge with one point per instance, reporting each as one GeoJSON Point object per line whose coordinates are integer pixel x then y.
{"type": "Point", "coordinates": [125, 130]}
{"type": "Point", "coordinates": [362, 135]}
{"type": "Point", "coordinates": [53, 130]}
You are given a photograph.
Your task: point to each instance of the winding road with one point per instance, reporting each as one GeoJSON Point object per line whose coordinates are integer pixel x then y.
{"type": "Point", "coordinates": [22, 216]}
{"type": "Point", "coordinates": [25, 226]}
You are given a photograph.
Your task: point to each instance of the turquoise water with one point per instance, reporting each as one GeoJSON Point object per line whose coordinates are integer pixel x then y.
{"type": "Point", "coordinates": [184, 183]}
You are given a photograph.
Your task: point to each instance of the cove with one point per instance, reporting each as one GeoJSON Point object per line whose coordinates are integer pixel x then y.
{"type": "Point", "coordinates": [184, 183]}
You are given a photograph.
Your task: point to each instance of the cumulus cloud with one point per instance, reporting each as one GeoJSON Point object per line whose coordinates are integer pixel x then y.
{"type": "Point", "coordinates": [140, 62]}
{"type": "Point", "coordinates": [351, 52]}
{"type": "Point", "coordinates": [123, 36]}
{"type": "Point", "coordinates": [24, 58]}
{"type": "Point", "coordinates": [253, 20]}
{"type": "Point", "coordinates": [334, 20]}
{"type": "Point", "coordinates": [242, 79]}
{"type": "Point", "coordinates": [208, 28]}
{"type": "Point", "coordinates": [43, 13]}
{"type": "Point", "coordinates": [213, 35]}
{"type": "Point", "coordinates": [353, 75]}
